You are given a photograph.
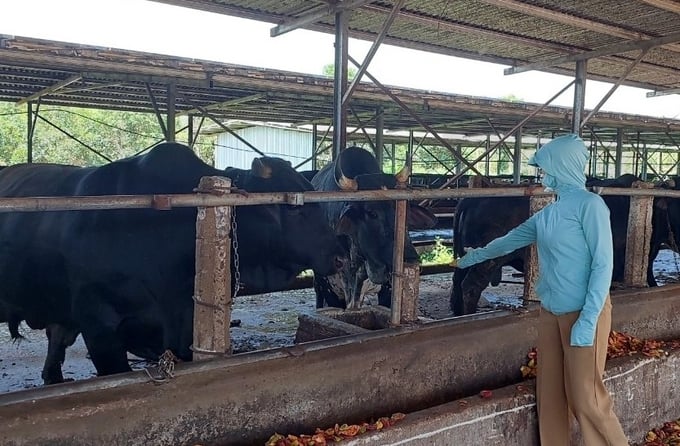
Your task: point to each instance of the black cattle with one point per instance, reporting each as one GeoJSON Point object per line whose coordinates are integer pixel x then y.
{"type": "Point", "coordinates": [367, 228]}
{"type": "Point", "coordinates": [124, 278]}
{"type": "Point", "coordinates": [480, 220]}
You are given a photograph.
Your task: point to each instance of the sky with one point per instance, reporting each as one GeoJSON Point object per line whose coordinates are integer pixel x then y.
{"type": "Point", "coordinates": [153, 27]}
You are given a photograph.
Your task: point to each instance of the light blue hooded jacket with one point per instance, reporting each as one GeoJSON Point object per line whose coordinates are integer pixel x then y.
{"type": "Point", "coordinates": [573, 237]}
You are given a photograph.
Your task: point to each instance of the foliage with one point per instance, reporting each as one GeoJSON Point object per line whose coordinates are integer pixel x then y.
{"type": "Point", "coordinates": [512, 98]}
{"type": "Point", "coordinates": [438, 255]}
{"type": "Point", "coordinates": [329, 70]}
{"type": "Point", "coordinates": [113, 134]}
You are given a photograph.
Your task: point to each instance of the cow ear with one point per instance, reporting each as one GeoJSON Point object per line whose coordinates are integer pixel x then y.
{"type": "Point", "coordinates": [661, 203]}
{"type": "Point", "coordinates": [420, 218]}
{"type": "Point", "coordinates": [346, 222]}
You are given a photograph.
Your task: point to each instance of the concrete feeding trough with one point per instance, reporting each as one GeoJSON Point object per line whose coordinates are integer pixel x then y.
{"type": "Point", "coordinates": [243, 399]}
{"type": "Point", "coordinates": [333, 322]}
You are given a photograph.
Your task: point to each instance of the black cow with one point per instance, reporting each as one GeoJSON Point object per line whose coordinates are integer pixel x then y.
{"type": "Point", "coordinates": [124, 278]}
{"type": "Point", "coordinates": [480, 220]}
{"type": "Point", "coordinates": [367, 227]}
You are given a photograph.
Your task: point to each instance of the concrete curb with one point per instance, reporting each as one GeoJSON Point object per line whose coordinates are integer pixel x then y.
{"type": "Point", "coordinates": [644, 391]}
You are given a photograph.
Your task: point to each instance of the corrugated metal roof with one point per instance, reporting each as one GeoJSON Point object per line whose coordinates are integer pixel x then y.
{"type": "Point", "coordinates": [510, 32]}
{"type": "Point", "coordinates": [79, 75]}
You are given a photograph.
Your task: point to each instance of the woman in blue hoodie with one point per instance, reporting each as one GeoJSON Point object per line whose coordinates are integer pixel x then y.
{"type": "Point", "coordinates": [575, 257]}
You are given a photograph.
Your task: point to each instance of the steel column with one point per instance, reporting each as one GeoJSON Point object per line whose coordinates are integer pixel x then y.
{"type": "Point", "coordinates": [379, 125]}
{"type": "Point", "coordinates": [517, 158]}
{"type": "Point", "coordinates": [29, 134]}
{"type": "Point", "coordinates": [340, 82]}
{"type": "Point", "coordinates": [170, 116]}
{"type": "Point", "coordinates": [579, 96]}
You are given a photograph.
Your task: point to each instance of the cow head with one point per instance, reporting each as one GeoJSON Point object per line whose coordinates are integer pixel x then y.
{"type": "Point", "coordinates": [280, 241]}
{"type": "Point", "coordinates": [370, 225]}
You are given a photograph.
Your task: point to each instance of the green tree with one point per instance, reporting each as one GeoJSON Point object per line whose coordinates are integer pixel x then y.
{"type": "Point", "coordinates": [114, 134]}
{"type": "Point", "coordinates": [329, 70]}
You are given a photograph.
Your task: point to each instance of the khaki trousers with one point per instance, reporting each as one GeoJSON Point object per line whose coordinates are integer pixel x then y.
{"type": "Point", "coordinates": [569, 380]}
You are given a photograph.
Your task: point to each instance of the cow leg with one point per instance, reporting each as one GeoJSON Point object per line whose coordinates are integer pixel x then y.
{"type": "Point", "coordinates": [99, 323]}
{"type": "Point", "coordinates": [456, 300]}
{"type": "Point", "coordinates": [59, 339]}
{"type": "Point", "coordinates": [385, 295]}
{"type": "Point", "coordinates": [475, 281]}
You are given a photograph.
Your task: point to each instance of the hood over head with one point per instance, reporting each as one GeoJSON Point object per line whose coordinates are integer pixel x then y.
{"type": "Point", "coordinates": [564, 159]}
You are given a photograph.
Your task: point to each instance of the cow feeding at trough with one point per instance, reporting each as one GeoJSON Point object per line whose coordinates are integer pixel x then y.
{"type": "Point", "coordinates": [367, 228]}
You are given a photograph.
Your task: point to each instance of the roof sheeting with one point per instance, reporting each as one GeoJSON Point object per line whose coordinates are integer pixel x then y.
{"type": "Point", "coordinates": [510, 32]}
{"type": "Point", "coordinates": [88, 76]}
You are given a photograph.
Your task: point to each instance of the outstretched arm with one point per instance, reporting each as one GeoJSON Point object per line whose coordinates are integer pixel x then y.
{"type": "Point", "coordinates": [522, 235]}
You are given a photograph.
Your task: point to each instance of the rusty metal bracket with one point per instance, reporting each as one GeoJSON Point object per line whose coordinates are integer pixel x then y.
{"type": "Point", "coordinates": [295, 199]}
{"type": "Point", "coordinates": [161, 203]}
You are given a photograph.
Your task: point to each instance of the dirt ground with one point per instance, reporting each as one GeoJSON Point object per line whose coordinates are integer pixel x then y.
{"type": "Point", "coordinates": [267, 321]}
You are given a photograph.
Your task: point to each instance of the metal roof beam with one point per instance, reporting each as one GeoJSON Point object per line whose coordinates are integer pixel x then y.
{"type": "Point", "coordinates": [607, 50]}
{"type": "Point", "coordinates": [315, 15]}
{"type": "Point", "coordinates": [571, 20]}
{"type": "Point", "coordinates": [226, 104]}
{"type": "Point", "coordinates": [651, 94]}
{"type": "Point", "coordinates": [49, 90]}
{"type": "Point", "coordinates": [146, 78]}
{"type": "Point", "coordinates": [668, 5]}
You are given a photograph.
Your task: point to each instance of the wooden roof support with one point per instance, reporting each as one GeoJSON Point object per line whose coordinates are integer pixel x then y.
{"type": "Point", "coordinates": [49, 90]}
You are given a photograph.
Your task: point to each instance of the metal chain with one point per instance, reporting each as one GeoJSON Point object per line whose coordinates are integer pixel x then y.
{"type": "Point", "coordinates": [164, 370]}
{"type": "Point", "coordinates": [234, 243]}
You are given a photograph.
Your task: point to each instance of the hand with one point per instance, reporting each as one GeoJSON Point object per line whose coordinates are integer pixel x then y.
{"type": "Point", "coordinates": [456, 262]}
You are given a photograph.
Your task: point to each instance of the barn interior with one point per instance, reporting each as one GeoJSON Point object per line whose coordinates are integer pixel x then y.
{"type": "Point", "coordinates": [633, 46]}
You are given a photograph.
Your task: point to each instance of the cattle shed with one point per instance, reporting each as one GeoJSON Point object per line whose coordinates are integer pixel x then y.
{"type": "Point", "coordinates": [244, 398]}
{"type": "Point", "coordinates": [42, 72]}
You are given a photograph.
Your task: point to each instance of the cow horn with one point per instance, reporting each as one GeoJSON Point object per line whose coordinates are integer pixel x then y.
{"type": "Point", "coordinates": [347, 183]}
{"type": "Point", "coordinates": [403, 174]}
{"type": "Point", "coordinates": [260, 169]}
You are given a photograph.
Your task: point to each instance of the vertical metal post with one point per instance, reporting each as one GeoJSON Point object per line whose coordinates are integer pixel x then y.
{"type": "Point", "coordinates": [212, 286]}
{"type": "Point", "coordinates": [29, 133]}
{"type": "Point", "coordinates": [579, 96]}
{"type": "Point", "coordinates": [593, 158]}
{"type": "Point", "coordinates": [488, 155]}
{"type": "Point", "coordinates": [645, 155]}
{"type": "Point", "coordinates": [340, 82]}
{"type": "Point", "coordinates": [170, 120]}
{"type": "Point", "coordinates": [190, 130]}
{"type": "Point", "coordinates": [379, 125]}
{"type": "Point", "coordinates": [459, 165]}
{"type": "Point", "coordinates": [394, 158]}
{"type": "Point", "coordinates": [315, 136]}
{"type": "Point", "coordinates": [517, 158]}
{"type": "Point", "coordinates": [409, 150]}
